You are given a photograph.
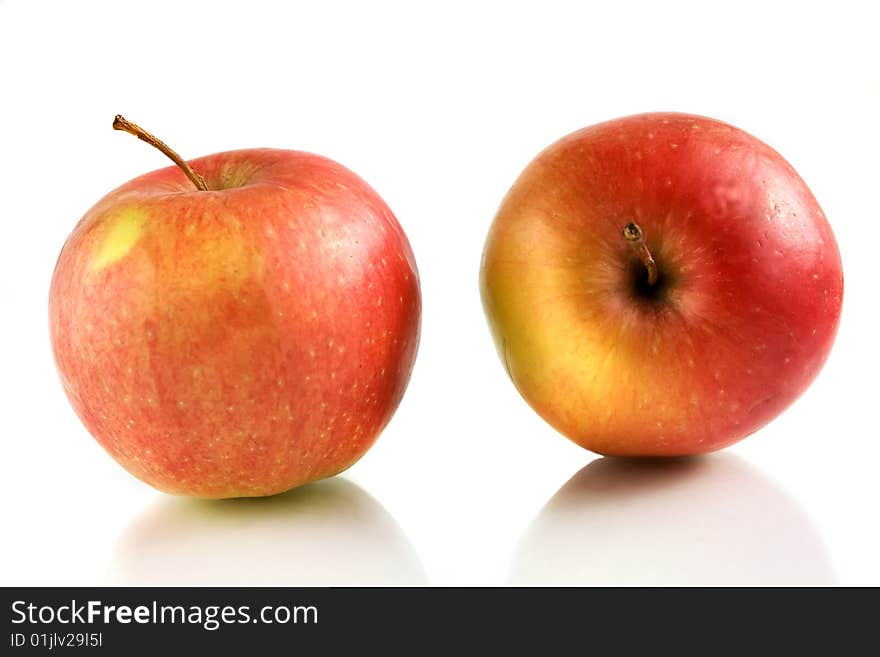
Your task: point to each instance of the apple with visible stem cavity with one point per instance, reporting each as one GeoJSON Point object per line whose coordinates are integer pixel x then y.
{"type": "Point", "coordinates": [237, 325]}
{"type": "Point", "coordinates": [661, 285]}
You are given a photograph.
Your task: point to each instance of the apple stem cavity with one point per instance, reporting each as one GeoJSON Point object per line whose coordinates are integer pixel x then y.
{"type": "Point", "coordinates": [633, 234]}
{"type": "Point", "coordinates": [121, 123]}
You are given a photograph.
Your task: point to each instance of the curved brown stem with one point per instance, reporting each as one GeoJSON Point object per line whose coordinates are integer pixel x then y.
{"type": "Point", "coordinates": [121, 123]}
{"type": "Point", "coordinates": [633, 234]}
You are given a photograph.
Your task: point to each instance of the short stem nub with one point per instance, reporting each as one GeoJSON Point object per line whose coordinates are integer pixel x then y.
{"type": "Point", "coordinates": [121, 123]}
{"type": "Point", "coordinates": [633, 234]}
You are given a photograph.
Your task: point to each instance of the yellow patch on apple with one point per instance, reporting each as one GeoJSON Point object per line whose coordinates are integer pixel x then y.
{"type": "Point", "coordinates": [122, 232]}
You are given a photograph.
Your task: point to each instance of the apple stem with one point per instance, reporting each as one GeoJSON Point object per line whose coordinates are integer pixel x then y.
{"type": "Point", "coordinates": [633, 234]}
{"type": "Point", "coordinates": [121, 123]}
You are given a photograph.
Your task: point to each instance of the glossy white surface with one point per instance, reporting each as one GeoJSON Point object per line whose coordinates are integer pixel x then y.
{"type": "Point", "coordinates": [439, 109]}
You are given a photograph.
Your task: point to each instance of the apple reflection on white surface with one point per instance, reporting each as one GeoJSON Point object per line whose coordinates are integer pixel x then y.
{"type": "Point", "coordinates": [329, 533]}
{"type": "Point", "coordinates": [713, 520]}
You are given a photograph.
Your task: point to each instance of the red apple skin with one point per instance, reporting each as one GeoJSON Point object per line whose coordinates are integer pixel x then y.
{"type": "Point", "coordinates": [749, 311]}
{"type": "Point", "coordinates": [242, 341]}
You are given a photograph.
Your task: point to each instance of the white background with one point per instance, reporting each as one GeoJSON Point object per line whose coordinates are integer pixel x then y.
{"type": "Point", "coordinates": [439, 106]}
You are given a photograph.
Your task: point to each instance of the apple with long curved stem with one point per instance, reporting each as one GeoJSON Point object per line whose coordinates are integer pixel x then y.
{"type": "Point", "coordinates": [660, 285]}
{"type": "Point", "coordinates": [237, 325]}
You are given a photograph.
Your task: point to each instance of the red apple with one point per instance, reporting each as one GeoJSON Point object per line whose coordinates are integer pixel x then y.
{"type": "Point", "coordinates": [241, 339]}
{"type": "Point", "coordinates": [661, 285]}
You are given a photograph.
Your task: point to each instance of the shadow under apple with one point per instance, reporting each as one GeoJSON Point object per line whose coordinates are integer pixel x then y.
{"type": "Point", "coordinates": [329, 533]}
{"type": "Point", "coordinates": [713, 520]}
